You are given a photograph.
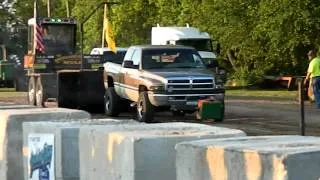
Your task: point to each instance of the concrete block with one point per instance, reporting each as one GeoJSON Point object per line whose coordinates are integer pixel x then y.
{"type": "Point", "coordinates": [140, 152]}
{"type": "Point", "coordinates": [94, 144]}
{"type": "Point", "coordinates": [66, 143]}
{"type": "Point", "coordinates": [11, 166]}
{"type": "Point", "coordinates": [246, 158]}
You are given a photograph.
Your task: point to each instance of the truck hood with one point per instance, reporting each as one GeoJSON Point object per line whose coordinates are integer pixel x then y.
{"type": "Point", "coordinates": [164, 74]}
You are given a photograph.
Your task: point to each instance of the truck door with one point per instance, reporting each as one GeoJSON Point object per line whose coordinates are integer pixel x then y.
{"type": "Point", "coordinates": [130, 85]}
{"type": "Point", "coordinates": [119, 85]}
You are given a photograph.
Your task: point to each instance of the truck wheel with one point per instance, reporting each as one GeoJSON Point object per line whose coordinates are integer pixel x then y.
{"type": "Point", "coordinates": [39, 93]}
{"type": "Point", "coordinates": [31, 91]}
{"type": "Point", "coordinates": [111, 102]}
{"type": "Point", "coordinates": [145, 110]}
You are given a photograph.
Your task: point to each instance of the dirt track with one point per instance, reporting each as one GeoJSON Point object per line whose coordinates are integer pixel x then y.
{"type": "Point", "coordinates": [255, 117]}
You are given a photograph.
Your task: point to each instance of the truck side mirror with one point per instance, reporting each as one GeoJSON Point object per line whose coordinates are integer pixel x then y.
{"type": "Point", "coordinates": [218, 48]}
{"type": "Point", "coordinates": [213, 64]}
{"type": "Point", "coordinates": [128, 64]}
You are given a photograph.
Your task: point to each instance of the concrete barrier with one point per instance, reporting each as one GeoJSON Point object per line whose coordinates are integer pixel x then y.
{"type": "Point", "coordinates": [260, 157]}
{"type": "Point", "coordinates": [14, 106]}
{"type": "Point", "coordinates": [6, 103]}
{"type": "Point", "coordinates": [11, 165]}
{"type": "Point", "coordinates": [10, 105]}
{"type": "Point", "coordinates": [140, 152]}
{"type": "Point", "coordinates": [66, 146]}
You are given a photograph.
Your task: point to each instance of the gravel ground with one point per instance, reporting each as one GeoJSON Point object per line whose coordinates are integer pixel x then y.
{"type": "Point", "coordinates": [255, 117]}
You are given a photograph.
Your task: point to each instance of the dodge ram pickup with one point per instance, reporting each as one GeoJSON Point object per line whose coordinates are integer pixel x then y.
{"type": "Point", "coordinates": [153, 77]}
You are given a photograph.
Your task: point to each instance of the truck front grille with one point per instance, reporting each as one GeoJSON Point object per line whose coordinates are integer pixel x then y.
{"type": "Point", "coordinates": [202, 81]}
{"type": "Point", "coordinates": [193, 86]}
{"type": "Point", "coordinates": [179, 81]}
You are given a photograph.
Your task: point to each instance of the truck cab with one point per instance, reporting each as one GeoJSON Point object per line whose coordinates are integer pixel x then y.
{"type": "Point", "coordinates": [187, 36]}
{"type": "Point", "coordinates": [57, 35]}
{"type": "Point", "coordinates": [49, 39]}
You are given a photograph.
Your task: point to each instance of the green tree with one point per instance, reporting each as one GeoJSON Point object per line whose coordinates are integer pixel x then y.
{"type": "Point", "coordinates": [292, 28]}
{"type": "Point", "coordinates": [232, 22]}
{"type": "Point", "coordinates": [93, 27]}
{"type": "Point", "coordinates": [166, 12]}
{"type": "Point", "coordinates": [132, 22]}
{"type": "Point", "coordinates": [257, 36]}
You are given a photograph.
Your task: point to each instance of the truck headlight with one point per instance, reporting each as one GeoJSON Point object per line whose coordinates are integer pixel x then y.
{"type": "Point", "coordinates": [219, 83]}
{"type": "Point", "coordinates": [219, 86]}
{"type": "Point", "coordinates": [157, 88]}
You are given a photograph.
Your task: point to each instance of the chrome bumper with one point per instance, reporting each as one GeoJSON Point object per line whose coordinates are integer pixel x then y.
{"type": "Point", "coordinates": [181, 101]}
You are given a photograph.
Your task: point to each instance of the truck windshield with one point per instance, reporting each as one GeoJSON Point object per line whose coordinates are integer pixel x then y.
{"type": "Point", "coordinates": [171, 58]}
{"type": "Point", "coordinates": [198, 44]}
{"type": "Point", "coordinates": [110, 56]}
{"type": "Point", "coordinates": [58, 39]}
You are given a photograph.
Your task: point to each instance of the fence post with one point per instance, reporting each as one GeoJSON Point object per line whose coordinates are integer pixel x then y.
{"type": "Point", "coordinates": [301, 102]}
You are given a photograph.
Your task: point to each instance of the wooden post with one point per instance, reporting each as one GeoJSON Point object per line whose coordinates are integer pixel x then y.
{"type": "Point", "coordinates": [301, 102]}
{"type": "Point", "coordinates": [35, 8]}
{"type": "Point", "coordinates": [67, 7]}
{"type": "Point", "coordinates": [103, 29]}
{"type": "Point", "coordinates": [48, 7]}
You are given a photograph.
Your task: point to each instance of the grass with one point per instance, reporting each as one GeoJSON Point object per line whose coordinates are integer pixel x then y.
{"type": "Point", "coordinates": [252, 94]}
{"type": "Point", "coordinates": [7, 90]}
{"type": "Point", "coordinates": [10, 93]}
{"type": "Point", "coordinates": [259, 94]}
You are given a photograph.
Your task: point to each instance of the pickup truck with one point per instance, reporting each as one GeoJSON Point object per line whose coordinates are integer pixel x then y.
{"type": "Point", "coordinates": [153, 77]}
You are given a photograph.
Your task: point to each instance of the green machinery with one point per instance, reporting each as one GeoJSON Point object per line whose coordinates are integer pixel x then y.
{"type": "Point", "coordinates": [210, 109]}
{"type": "Point", "coordinates": [7, 70]}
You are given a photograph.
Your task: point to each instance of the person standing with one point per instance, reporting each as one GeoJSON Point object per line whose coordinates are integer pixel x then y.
{"type": "Point", "coordinates": [313, 74]}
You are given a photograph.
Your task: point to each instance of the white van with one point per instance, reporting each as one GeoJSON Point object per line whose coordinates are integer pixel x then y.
{"type": "Point", "coordinates": [110, 56]}
{"type": "Point", "coordinates": [188, 36]}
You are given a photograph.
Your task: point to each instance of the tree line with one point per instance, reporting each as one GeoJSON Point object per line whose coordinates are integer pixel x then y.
{"type": "Point", "coordinates": [259, 37]}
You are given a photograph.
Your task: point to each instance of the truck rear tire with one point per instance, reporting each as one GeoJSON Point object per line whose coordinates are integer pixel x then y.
{"type": "Point", "coordinates": [32, 91]}
{"type": "Point", "coordinates": [111, 102]}
{"type": "Point", "coordinates": [145, 110]}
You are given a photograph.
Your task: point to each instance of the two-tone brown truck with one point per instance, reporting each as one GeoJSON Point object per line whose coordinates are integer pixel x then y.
{"type": "Point", "coordinates": [165, 77]}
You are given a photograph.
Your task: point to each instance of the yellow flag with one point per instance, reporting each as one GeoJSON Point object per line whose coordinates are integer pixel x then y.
{"type": "Point", "coordinates": [109, 35]}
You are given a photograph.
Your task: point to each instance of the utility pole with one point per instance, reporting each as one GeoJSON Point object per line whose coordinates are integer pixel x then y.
{"type": "Point", "coordinates": [48, 7]}
{"type": "Point", "coordinates": [301, 102]}
{"type": "Point", "coordinates": [35, 8]}
{"type": "Point", "coordinates": [104, 25]}
{"type": "Point", "coordinates": [67, 7]}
